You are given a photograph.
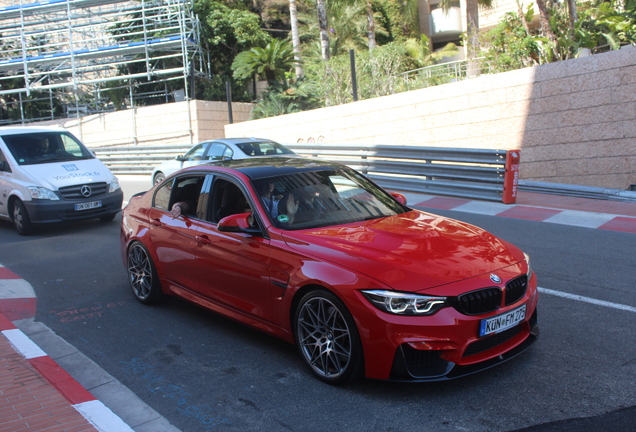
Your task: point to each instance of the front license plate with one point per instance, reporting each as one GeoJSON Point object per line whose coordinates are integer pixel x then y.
{"type": "Point", "coordinates": [502, 322]}
{"type": "Point", "coordinates": [88, 205]}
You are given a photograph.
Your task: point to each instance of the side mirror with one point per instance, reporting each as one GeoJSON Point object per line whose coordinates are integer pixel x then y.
{"type": "Point", "coordinates": [180, 158]}
{"type": "Point", "coordinates": [399, 197]}
{"type": "Point", "coordinates": [4, 166]}
{"type": "Point", "coordinates": [241, 223]}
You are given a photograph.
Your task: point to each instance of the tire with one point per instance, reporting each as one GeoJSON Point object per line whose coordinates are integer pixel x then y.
{"type": "Point", "coordinates": [158, 178]}
{"type": "Point", "coordinates": [327, 338]}
{"type": "Point", "coordinates": [142, 275]}
{"type": "Point", "coordinates": [108, 217]}
{"type": "Point", "coordinates": [21, 219]}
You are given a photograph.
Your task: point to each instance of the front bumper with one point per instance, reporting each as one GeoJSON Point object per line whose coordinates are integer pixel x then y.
{"type": "Point", "coordinates": [441, 346]}
{"type": "Point", "coordinates": [63, 210]}
{"type": "Point", "coordinates": [422, 366]}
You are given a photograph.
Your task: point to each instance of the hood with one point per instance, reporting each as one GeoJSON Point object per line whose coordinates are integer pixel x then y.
{"type": "Point", "coordinates": [413, 251]}
{"type": "Point", "coordinates": [60, 174]}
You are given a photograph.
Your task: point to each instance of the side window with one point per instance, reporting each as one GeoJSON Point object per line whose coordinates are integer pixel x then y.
{"type": "Point", "coordinates": [4, 165]}
{"type": "Point", "coordinates": [195, 153]}
{"type": "Point", "coordinates": [162, 196]}
{"type": "Point", "coordinates": [188, 190]}
{"type": "Point", "coordinates": [228, 153]}
{"type": "Point", "coordinates": [227, 199]}
{"type": "Point", "coordinates": [217, 151]}
{"type": "Point", "coordinates": [71, 146]}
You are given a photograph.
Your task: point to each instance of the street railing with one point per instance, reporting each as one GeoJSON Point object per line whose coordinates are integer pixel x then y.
{"type": "Point", "coordinates": [469, 173]}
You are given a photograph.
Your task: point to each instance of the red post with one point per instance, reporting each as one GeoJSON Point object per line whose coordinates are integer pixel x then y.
{"type": "Point", "coordinates": [511, 178]}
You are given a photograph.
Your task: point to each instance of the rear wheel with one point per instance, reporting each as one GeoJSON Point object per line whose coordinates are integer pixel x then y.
{"type": "Point", "coordinates": [142, 275]}
{"type": "Point", "coordinates": [327, 338]}
{"type": "Point", "coordinates": [21, 219]}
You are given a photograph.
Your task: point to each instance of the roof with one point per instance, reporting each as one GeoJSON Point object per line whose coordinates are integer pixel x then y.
{"type": "Point", "coordinates": [270, 166]}
{"type": "Point", "coordinates": [15, 130]}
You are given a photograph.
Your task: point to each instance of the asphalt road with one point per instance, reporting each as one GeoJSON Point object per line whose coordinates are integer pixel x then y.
{"type": "Point", "coordinates": [204, 372]}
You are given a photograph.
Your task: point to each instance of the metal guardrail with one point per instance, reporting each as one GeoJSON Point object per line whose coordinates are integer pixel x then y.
{"type": "Point", "coordinates": [137, 159]}
{"type": "Point", "coordinates": [460, 172]}
{"type": "Point", "coordinates": [469, 173]}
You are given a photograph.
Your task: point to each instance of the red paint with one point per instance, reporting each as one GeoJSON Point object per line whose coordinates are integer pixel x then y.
{"type": "Point", "coordinates": [443, 203]}
{"type": "Point", "coordinates": [16, 309]}
{"type": "Point", "coordinates": [5, 273]}
{"type": "Point", "coordinates": [61, 380]}
{"type": "Point", "coordinates": [624, 224]}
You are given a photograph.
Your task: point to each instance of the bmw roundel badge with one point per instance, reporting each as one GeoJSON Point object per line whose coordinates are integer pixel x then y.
{"type": "Point", "coordinates": [496, 279]}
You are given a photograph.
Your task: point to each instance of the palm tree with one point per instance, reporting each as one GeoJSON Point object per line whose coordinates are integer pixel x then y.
{"type": "Point", "coordinates": [324, 29]}
{"type": "Point", "coordinates": [472, 26]}
{"type": "Point", "coordinates": [420, 50]}
{"type": "Point", "coordinates": [270, 62]}
{"type": "Point", "coordinates": [295, 36]}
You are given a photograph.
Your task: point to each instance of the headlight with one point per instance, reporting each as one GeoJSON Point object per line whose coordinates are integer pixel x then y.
{"type": "Point", "coordinates": [529, 274]}
{"type": "Point", "coordinates": [114, 185]}
{"type": "Point", "coordinates": [404, 303]}
{"type": "Point", "coordinates": [42, 193]}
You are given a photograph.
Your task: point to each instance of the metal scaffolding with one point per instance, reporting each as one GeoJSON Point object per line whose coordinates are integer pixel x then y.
{"type": "Point", "coordinates": [79, 55]}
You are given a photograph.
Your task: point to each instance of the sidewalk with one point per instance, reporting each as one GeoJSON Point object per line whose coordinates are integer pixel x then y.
{"type": "Point", "coordinates": [37, 394]}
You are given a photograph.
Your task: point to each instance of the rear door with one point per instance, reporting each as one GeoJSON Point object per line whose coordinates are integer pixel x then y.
{"type": "Point", "coordinates": [174, 239]}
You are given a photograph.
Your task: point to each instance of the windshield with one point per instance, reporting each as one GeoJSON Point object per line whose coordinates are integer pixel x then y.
{"type": "Point", "coordinates": [323, 198]}
{"type": "Point", "coordinates": [45, 147]}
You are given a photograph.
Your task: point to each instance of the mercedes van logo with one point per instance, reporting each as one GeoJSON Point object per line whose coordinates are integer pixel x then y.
{"type": "Point", "coordinates": [86, 191]}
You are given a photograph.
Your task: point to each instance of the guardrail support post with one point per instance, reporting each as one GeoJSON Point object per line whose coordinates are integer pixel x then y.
{"type": "Point", "coordinates": [511, 177]}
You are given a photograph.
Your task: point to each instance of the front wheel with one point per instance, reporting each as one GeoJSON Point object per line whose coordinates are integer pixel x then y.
{"type": "Point", "coordinates": [158, 178]}
{"type": "Point", "coordinates": [142, 275]}
{"type": "Point", "coordinates": [327, 338]}
{"type": "Point", "coordinates": [21, 219]}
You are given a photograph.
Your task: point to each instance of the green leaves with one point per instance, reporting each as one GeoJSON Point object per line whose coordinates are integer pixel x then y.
{"type": "Point", "coordinates": [271, 62]}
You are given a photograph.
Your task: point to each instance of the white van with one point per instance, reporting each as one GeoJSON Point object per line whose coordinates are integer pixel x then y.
{"type": "Point", "coordinates": [47, 175]}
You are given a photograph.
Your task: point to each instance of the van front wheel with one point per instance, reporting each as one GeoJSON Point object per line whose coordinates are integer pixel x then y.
{"type": "Point", "coordinates": [21, 219]}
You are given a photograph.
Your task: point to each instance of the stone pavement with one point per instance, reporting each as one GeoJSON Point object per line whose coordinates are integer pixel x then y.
{"type": "Point", "coordinates": [46, 385]}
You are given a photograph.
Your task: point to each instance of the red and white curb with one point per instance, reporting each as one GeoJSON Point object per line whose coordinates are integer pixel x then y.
{"type": "Point", "coordinates": [578, 218]}
{"type": "Point", "coordinates": [13, 307]}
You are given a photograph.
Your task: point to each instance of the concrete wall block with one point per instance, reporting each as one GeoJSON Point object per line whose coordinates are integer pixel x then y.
{"type": "Point", "coordinates": [521, 92]}
{"type": "Point", "coordinates": [604, 133]}
{"type": "Point", "coordinates": [607, 165]}
{"type": "Point", "coordinates": [549, 104]}
{"type": "Point", "coordinates": [623, 93]}
{"type": "Point", "coordinates": [573, 167]}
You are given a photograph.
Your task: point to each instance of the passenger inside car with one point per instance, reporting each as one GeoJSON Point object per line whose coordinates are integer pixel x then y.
{"type": "Point", "coordinates": [187, 199]}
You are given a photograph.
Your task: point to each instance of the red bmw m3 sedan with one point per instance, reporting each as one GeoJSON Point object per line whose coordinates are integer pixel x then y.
{"type": "Point", "coordinates": [315, 253]}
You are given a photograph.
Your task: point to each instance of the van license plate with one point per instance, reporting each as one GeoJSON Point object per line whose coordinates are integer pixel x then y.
{"type": "Point", "coordinates": [88, 206]}
{"type": "Point", "coordinates": [502, 322]}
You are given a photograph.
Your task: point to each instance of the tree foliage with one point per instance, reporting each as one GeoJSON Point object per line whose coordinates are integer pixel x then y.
{"type": "Point", "coordinates": [600, 25]}
{"type": "Point", "coordinates": [271, 62]}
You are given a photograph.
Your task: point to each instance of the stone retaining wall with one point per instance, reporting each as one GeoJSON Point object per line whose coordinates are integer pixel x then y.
{"type": "Point", "coordinates": [575, 120]}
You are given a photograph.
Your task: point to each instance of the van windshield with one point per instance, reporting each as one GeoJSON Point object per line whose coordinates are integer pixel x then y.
{"type": "Point", "coordinates": [45, 147]}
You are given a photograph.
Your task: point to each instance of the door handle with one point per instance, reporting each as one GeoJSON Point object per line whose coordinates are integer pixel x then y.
{"type": "Point", "coordinates": [155, 222]}
{"type": "Point", "coordinates": [204, 240]}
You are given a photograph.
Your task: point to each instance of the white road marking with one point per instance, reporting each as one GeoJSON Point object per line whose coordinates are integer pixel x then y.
{"type": "Point", "coordinates": [587, 300]}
